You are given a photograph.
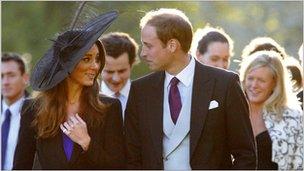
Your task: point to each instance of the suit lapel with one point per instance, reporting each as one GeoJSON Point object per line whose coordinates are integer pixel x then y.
{"type": "Point", "coordinates": [203, 85]}
{"type": "Point", "coordinates": [61, 154]}
{"type": "Point", "coordinates": [155, 113]}
{"type": "Point", "coordinates": [76, 152]}
{"type": "Point", "coordinates": [58, 143]}
{"type": "Point", "coordinates": [180, 130]}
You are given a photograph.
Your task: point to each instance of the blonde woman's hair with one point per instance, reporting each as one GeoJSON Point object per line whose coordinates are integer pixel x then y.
{"type": "Point", "coordinates": [282, 95]}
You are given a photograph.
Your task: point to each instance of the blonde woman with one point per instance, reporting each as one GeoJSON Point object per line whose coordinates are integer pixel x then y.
{"type": "Point", "coordinates": [276, 117]}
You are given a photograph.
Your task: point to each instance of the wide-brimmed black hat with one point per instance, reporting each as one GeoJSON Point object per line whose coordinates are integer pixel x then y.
{"type": "Point", "coordinates": [68, 49]}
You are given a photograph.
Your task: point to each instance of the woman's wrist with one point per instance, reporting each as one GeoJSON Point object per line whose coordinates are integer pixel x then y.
{"type": "Point", "coordinates": [85, 143]}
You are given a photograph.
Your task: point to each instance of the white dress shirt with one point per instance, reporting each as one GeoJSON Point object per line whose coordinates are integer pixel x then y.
{"type": "Point", "coordinates": [123, 97]}
{"type": "Point", "coordinates": [176, 136]}
{"type": "Point", "coordinates": [186, 79]}
{"type": "Point", "coordinates": [15, 110]}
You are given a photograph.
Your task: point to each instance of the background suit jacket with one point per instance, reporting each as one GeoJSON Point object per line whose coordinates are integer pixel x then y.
{"type": "Point", "coordinates": [215, 134]}
{"type": "Point", "coordinates": [106, 150]}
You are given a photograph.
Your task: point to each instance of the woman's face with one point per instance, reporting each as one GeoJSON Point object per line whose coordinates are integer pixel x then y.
{"type": "Point", "coordinates": [259, 85]}
{"type": "Point", "coordinates": [87, 69]}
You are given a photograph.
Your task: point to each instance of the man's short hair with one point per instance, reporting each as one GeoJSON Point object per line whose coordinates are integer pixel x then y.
{"type": "Point", "coordinates": [118, 43]}
{"type": "Point", "coordinates": [170, 24]}
{"type": "Point", "coordinates": [11, 56]}
{"type": "Point", "coordinates": [203, 37]}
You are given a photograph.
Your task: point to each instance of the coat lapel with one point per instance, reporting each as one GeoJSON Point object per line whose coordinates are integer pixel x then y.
{"type": "Point", "coordinates": [76, 152]}
{"type": "Point", "coordinates": [155, 113]}
{"type": "Point", "coordinates": [180, 130]}
{"type": "Point", "coordinates": [61, 154]}
{"type": "Point", "coordinates": [52, 148]}
{"type": "Point", "coordinates": [203, 85]}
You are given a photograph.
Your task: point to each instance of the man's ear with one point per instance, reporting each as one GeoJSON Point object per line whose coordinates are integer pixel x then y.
{"type": "Point", "coordinates": [26, 79]}
{"type": "Point", "coordinates": [199, 56]}
{"type": "Point", "coordinates": [173, 45]}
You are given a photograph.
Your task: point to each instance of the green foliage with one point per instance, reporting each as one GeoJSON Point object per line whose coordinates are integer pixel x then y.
{"type": "Point", "coordinates": [26, 26]}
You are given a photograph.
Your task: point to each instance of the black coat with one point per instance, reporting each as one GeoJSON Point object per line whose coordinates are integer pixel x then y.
{"type": "Point", "coordinates": [215, 134]}
{"type": "Point", "coordinates": [106, 150]}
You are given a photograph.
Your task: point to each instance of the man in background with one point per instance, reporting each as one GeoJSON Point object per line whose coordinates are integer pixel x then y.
{"type": "Point", "coordinates": [213, 47]}
{"type": "Point", "coordinates": [14, 80]}
{"type": "Point", "coordinates": [121, 55]}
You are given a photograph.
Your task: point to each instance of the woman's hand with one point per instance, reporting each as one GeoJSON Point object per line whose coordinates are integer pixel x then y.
{"type": "Point", "coordinates": [76, 129]}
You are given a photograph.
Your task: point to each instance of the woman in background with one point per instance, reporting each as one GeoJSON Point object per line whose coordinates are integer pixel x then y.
{"type": "Point", "coordinates": [276, 117]}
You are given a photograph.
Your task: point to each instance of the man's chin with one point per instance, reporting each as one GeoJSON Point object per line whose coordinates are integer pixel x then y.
{"type": "Point", "coordinates": [5, 95]}
{"type": "Point", "coordinates": [115, 89]}
{"type": "Point", "coordinates": [153, 68]}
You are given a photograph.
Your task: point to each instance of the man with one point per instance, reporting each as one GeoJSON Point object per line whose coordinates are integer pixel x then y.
{"type": "Point", "coordinates": [13, 81]}
{"type": "Point", "coordinates": [185, 115]}
{"type": "Point", "coordinates": [121, 55]}
{"type": "Point", "coordinates": [213, 47]}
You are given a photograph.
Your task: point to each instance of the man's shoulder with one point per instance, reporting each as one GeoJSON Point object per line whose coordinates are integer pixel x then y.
{"type": "Point", "coordinates": [150, 79]}
{"type": "Point", "coordinates": [214, 70]}
{"type": "Point", "coordinates": [218, 74]}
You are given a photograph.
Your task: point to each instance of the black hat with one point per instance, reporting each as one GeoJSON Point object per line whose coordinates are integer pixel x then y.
{"type": "Point", "coordinates": [68, 49]}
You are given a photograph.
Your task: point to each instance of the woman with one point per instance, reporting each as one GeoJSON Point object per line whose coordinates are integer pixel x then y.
{"type": "Point", "coordinates": [276, 117]}
{"type": "Point", "coordinates": [68, 125]}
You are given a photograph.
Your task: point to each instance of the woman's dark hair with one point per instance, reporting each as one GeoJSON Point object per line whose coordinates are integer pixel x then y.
{"type": "Point", "coordinates": [51, 110]}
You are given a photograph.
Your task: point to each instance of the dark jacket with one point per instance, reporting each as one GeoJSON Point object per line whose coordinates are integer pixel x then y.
{"type": "Point", "coordinates": [106, 150]}
{"type": "Point", "coordinates": [215, 134]}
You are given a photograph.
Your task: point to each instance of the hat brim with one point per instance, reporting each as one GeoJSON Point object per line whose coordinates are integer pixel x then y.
{"type": "Point", "coordinates": [48, 71]}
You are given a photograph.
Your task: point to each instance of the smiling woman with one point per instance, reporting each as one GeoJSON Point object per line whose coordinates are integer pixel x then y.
{"type": "Point", "coordinates": [68, 125]}
{"type": "Point", "coordinates": [276, 117]}
{"type": "Point", "coordinates": [87, 69]}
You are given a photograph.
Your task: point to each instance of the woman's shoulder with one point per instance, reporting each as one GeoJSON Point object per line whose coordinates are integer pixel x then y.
{"type": "Point", "coordinates": [112, 104]}
{"type": "Point", "coordinates": [28, 106]}
{"type": "Point", "coordinates": [113, 108]}
{"type": "Point", "coordinates": [107, 99]}
{"type": "Point", "coordinates": [292, 111]}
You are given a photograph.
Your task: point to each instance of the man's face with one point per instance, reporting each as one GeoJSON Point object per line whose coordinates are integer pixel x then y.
{"type": "Point", "coordinates": [116, 72]}
{"type": "Point", "coordinates": [12, 81]}
{"type": "Point", "coordinates": [217, 55]}
{"type": "Point", "coordinates": [154, 52]}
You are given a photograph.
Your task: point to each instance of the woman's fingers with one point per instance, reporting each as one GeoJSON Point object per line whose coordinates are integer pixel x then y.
{"type": "Point", "coordinates": [64, 130]}
{"type": "Point", "coordinates": [71, 123]}
{"type": "Point", "coordinates": [73, 120]}
{"type": "Point", "coordinates": [79, 119]}
{"type": "Point", "coordinates": [67, 126]}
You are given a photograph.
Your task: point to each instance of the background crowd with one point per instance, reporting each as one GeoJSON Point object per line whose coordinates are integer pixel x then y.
{"type": "Point", "coordinates": [97, 132]}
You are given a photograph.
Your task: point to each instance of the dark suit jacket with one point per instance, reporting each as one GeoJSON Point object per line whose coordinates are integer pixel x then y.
{"type": "Point", "coordinates": [215, 134]}
{"type": "Point", "coordinates": [106, 150]}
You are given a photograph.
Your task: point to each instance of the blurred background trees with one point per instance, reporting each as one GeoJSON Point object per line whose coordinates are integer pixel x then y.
{"type": "Point", "coordinates": [27, 26]}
